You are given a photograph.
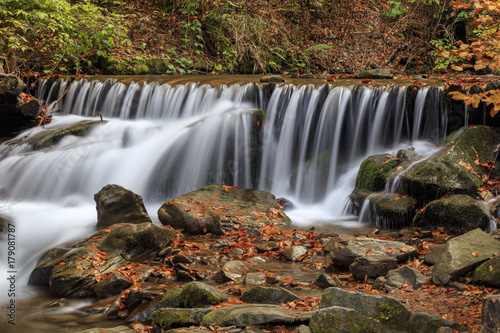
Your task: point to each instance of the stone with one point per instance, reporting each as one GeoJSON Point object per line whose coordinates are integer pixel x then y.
{"type": "Point", "coordinates": [490, 314]}
{"type": "Point", "coordinates": [167, 317]}
{"type": "Point", "coordinates": [396, 278]}
{"type": "Point", "coordinates": [344, 251]}
{"type": "Point", "coordinates": [218, 209]}
{"type": "Point", "coordinates": [233, 270]}
{"type": "Point", "coordinates": [337, 319]}
{"type": "Point", "coordinates": [391, 211]}
{"type": "Point", "coordinates": [268, 295]}
{"type": "Point", "coordinates": [193, 295]}
{"type": "Point", "coordinates": [373, 172]}
{"type": "Point", "coordinates": [462, 254]}
{"type": "Point", "coordinates": [255, 278]}
{"type": "Point", "coordinates": [434, 252]}
{"type": "Point", "coordinates": [488, 273]}
{"type": "Point", "coordinates": [372, 266]}
{"type": "Point", "coordinates": [242, 315]}
{"type": "Point", "coordinates": [295, 253]}
{"type": "Point", "coordinates": [383, 309]}
{"type": "Point", "coordinates": [117, 329]}
{"type": "Point", "coordinates": [426, 323]}
{"type": "Point", "coordinates": [116, 204]}
{"type": "Point", "coordinates": [456, 214]}
{"type": "Point", "coordinates": [326, 281]}
{"type": "Point", "coordinates": [271, 79]}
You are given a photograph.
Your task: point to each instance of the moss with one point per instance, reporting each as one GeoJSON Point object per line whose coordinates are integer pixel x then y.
{"type": "Point", "coordinates": [390, 314]}
{"type": "Point", "coordinates": [197, 295]}
{"type": "Point", "coordinates": [392, 211]}
{"type": "Point", "coordinates": [488, 273]}
{"type": "Point", "coordinates": [172, 298]}
{"type": "Point", "coordinates": [178, 317]}
{"type": "Point", "coordinates": [373, 172]}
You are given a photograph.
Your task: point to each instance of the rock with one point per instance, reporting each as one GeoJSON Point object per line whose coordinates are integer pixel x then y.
{"type": "Point", "coordinates": [373, 172]}
{"type": "Point", "coordinates": [426, 323]}
{"type": "Point", "coordinates": [385, 310]}
{"type": "Point", "coordinates": [67, 271]}
{"type": "Point", "coordinates": [255, 278]}
{"type": "Point", "coordinates": [295, 253]}
{"type": "Point", "coordinates": [463, 253]}
{"type": "Point", "coordinates": [398, 277]}
{"type": "Point", "coordinates": [267, 247]}
{"type": "Point", "coordinates": [167, 317]}
{"type": "Point", "coordinates": [375, 74]}
{"type": "Point", "coordinates": [412, 232]}
{"type": "Point", "coordinates": [219, 208]}
{"type": "Point", "coordinates": [488, 273]}
{"type": "Point", "coordinates": [271, 79]}
{"type": "Point", "coordinates": [336, 319]}
{"type": "Point", "coordinates": [112, 285]}
{"type": "Point", "coordinates": [233, 270]}
{"type": "Point", "coordinates": [406, 154]}
{"type": "Point", "coordinates": [326, 281]}
{"type": "Point", "coordinates": [446, 172]}
{"type": "Point", "coordinates": [457, 214]}
{"type": "Point", "coordinates": [268, 295]}
{"type": "Point", "coordinates": [285, 203]}
{"type": "Point", "coordinates": [435, 250]}
{"type": "Point", "coordinates": [137, 297]}
{"type": "Point", "coordinates": [253, 314]}
{"type": "Point", "coordinates": [193, 295]}
{"type": "Point", "coordinates": [372, 266]}
{"type": "Point", "coordinates": [116, 204]}
{"type": "Point", "coordinates": [392, 211]}
{"type": "Point", "coordinates": [344, 251]}
{"type": "Point", "coordinates": [379, 283]}
{"type": "Point", "coordinates": [117, 329]}
{"type": "Point", "coordinates": [490, 314]}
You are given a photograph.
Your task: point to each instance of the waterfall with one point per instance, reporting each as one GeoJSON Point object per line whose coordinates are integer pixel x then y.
{"type": "Point", "coordinates": [162, 140]}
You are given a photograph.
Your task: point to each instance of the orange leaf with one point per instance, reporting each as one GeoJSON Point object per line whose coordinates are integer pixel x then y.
{"type": "Point", "coordinates": [369, 252]}
{"type": "Point", "coordinates": [490, 268]}
{"type": "Point", "coordinates": [475, 254]}
{"type": "Point", "coordinates": [404, 249]}
{"type": "Point", "coordinates": [388, 250]}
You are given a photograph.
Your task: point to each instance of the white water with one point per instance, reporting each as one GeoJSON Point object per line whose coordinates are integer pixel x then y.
{"type": "Point", "coordinates": [162, 141]}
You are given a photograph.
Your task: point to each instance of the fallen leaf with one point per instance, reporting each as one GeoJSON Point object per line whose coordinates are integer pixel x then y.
{"type": "Point", "coordinates": [388, 250]}
{"type": "Point", "coordinates": [490, 268]}
{"type": "Point", "coordinates": [369, 252]}
{"type": "Point", "coordinates": [475, 254]}
{"type": "Point", "coordinates": [404, 249]}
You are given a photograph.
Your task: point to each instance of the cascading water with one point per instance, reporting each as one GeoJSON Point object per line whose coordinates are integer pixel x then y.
{"type": "Point", "coordinates": [164, 140]}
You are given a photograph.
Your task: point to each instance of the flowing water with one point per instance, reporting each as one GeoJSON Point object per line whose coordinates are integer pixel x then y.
{"type": "Point", "coordinates": [162, 140]}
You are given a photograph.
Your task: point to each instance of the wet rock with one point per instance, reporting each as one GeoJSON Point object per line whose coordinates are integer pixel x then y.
{"type": "Point", "coordinates": [116, 204]}
{"type": "Point", "coordinates": [336, 319]}
{"type": "Point", "coordinates": [184, 276]}
{"type": "Point", "coordinates": [167, 317]}
{"type": "Point", "coordinates": [252, 314]}
{"type": "Point", "coordinates": [490, 314]}
{"type": "Point", "coordinates": [138, 297]}
{"type": "Point", "coordinates": [488, 273]}
{"type": "Point", "coordinates": [235, 252]}
{"type": "Point", "coordinates": [285, 203]}
{"type": "Point", "coordinates": [392, 211]}
{"type": "Point", "coordinates": [344, 251]}
{"type": "Point", "coordinates": [326, 281]}
{"type": "Point", "coordinates": [375, 74]}
{"type": "Point", "coordinates": [267, 247]}
{"type": "Point", "coordinates": [406, 154]}
{"type": "Point", "coordinates": [373, 172]}
{"type": "Point", "coordinates": [218, 209]}
{"type": "Point", "coordinates": [268, 295]}
{"type": "Point", "coordinates": [112, 285]}
{"type": "Point", "coordinates": [446, 171]}
{"type": "Point", "coordinates": [233, 270]}
{"type": "Point", "coordinates": [412, 232]}
{"type": "Point", "coordinates": [255, 278]}
{"type": "Point", "coordinates": [181, 258]}
{"type": "Point", "coordinates": [193, 295]}
{"type": "Point", "coordinates": [462, 254]}
{"type": "Point", "coordinates": [383, 309]}
{"type": "Point", "coordinates": [295, 253]}
{"type": "Point", "coordinates": [74, 273]}
{"type": "Point", "coordinates": [372, 266]}
{"type": "Point", "coordinates": [117, 329]}
{"type": "Point", "coordinates": [457, 214]}
{"type": "Point", "coordinates": [398, 277]}
{"type": "Point", "coordinates": [271, 79]}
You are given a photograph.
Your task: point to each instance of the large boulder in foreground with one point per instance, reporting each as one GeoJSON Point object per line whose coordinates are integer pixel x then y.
{"type": "Point", "coordinates": [457, 214]}
{"type": "Point", "coordinates": [451, 169]}
{"type": "Point", "coordinates": [462, 254]}
{"type": "Point", "coordinates": [75, 271]}
{"type": "Point", "coordinates": [116, 204]}
{"type": "Point", "coordinates": [218, 209]}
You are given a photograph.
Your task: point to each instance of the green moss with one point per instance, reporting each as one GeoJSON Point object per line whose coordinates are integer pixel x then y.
{"type": "Point", "coordinates": [198, 295]}
{"type": "Point", "coordinates": [178, 317]}
{"type": "Point", "coordinates": [390, 314]}
{"type": "Point", "coordinates": [373, 172]}
{"type": "Point", "coordinates": [172, 298]}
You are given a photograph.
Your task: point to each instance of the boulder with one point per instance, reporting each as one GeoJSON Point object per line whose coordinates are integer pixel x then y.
{"type": "Point", "coordinates": [375, 74]}
{"type": "Point", "coordinates": [74, 272]}
{"type": "Point", "coordinates": [372, 266]}
{"type": "Point", "coordinates": [392, 211]}
{"type": "Point", "coordinates": [218, 209]}
{"type": "Point", "coordinates": [268, 295]}
{"type": "Point", "coordinates": [462, 254]}
{"type": "Point", "coordinates": [373, 172]}
{"type": "Point", "coordinates": [457, 214]}
{"type": "Point", "coordinates": [254, 314]}
{"type": "Point", "coordinates": [295, 253]}
{"type": "Point", "coordinates": [337, 319]}
{"type": "Point", "coordinates": [116, 204]}
{"type": "Point", "coordinates": [326, 281]}
{"type": "Point", "coordinates": [344, 251]}
{"type": "Point", "coordinates": [488, 273]}
{"type": "Point", "coordinates": [449, 170]}
{"type": "Point", "coordinates": [168, 317]}
{"type": "Point", "coordinates": [193, 295]}
{"type": "Point", "coordinates": [234, 270]}
{"type": "Point", "coordinates": [398, 277]}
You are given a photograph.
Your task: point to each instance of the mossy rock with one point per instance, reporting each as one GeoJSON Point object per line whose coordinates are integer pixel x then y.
{"type": "Point", "coordinates": [447, 171]}
{"type": "Point", "coordinates": [457, 214]}
{"type": "Point", "coordinates": [373, 172]}
{"type": "Point", "coordinates": [134, 66]}
{"type": "Point", "coordinates": [52, 135]}
{"type": "Point", "coordinates": [268, 295]}
{"type": "Point", "coordinates": [193, 295]}
{"type": "Point", "coordinates": [338, 319]}
{"type": "Point", "coordinates": [168, 317]}
{"type": "Point", "coordinates": [488, 273]}
{"type": "Point", "coordinates": [392, 211]}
